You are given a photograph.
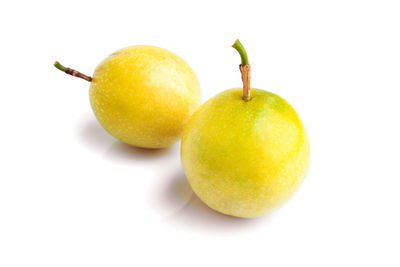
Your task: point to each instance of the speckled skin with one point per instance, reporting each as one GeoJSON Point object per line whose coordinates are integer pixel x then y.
{"type": "Point", "coordinates": [245, 158]}
{"type": "Point", "coordinates": [144, 96]}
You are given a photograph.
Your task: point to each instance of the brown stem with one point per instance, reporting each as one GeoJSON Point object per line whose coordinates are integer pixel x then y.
{"type": "Point", "coordinates": [245, 71]}
{"type": "Point", "coordinates": [72, 72]}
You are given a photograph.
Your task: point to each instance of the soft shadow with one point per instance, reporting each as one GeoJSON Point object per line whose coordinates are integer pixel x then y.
{"type": "Point", "coordinates": [93, 136]}
{"type": "Point", "coordinates": [121, 152]}
{"type": "Point", "coordinates": [169, 195]}
{"type": "Point", "coordinates": [195, 215]}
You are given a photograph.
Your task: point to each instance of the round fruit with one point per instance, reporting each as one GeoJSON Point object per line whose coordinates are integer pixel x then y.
{"type": "Point", "coordinates": [245, 155]}
{"type": "Point", "coordinates": [144, 96]}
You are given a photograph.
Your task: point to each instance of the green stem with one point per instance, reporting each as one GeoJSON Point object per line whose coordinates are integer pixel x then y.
{"type": "Point", "coordinates": [59, 66]}
{"type": "Point", "coordinates": [242, 52]}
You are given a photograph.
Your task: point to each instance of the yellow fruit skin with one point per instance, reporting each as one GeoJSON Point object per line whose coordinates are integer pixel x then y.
{"type": "Point", "coordinates": [245, 158]}
{"type": "Point", "coordinates": [144, 96]}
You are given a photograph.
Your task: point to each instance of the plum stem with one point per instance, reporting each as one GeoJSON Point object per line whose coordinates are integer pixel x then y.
{"type": "Point", "coordinates": [242, 52]}
{"type": "Point", "coordinates": [244, 70]}
{"type": "Point", "coordinates": [72, 72]}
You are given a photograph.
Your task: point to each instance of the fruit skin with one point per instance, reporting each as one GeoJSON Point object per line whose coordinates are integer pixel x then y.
{"type": "Point", "coordinates": [245, 158]}
{"type": "Point", "coordinates": [144, 96]}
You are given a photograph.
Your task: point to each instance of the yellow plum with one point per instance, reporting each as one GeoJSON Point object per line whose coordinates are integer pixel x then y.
{"type": "Point", "coordinates": [143, 95]}
{"type": "Point", "coordinates": [245, 151]}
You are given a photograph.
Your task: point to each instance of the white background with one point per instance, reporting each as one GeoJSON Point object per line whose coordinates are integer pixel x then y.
{"type": "Point", "coordinates": [71, 195]}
